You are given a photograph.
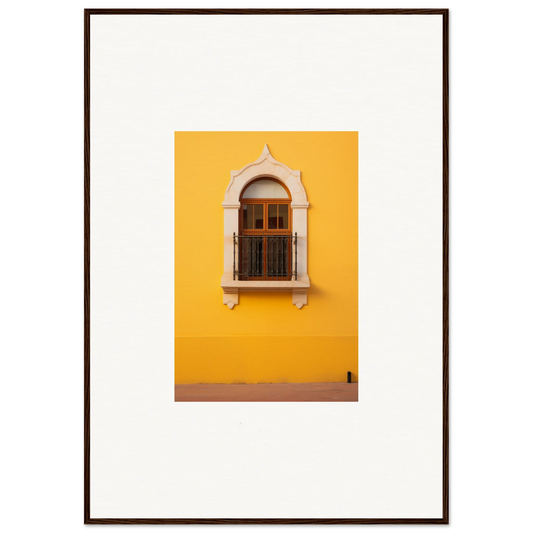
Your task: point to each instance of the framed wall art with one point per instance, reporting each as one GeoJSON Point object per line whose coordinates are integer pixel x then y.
{"type": "Point", "coordinates": [266, 266]}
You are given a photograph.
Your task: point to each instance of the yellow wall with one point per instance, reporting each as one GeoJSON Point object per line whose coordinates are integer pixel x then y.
{"type": "Point", "coordinates": [265, 338]}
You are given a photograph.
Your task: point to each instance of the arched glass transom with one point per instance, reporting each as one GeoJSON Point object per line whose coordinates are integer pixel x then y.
{"type": "Point", "coordinates": [265, 188]}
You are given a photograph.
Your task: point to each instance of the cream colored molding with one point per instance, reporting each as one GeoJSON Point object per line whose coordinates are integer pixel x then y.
{"type": "Point", "coordinates": [265, 166]}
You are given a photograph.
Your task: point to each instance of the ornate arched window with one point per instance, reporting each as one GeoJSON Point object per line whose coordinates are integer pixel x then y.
{"type": "Point", "coordinates": [265, 231]}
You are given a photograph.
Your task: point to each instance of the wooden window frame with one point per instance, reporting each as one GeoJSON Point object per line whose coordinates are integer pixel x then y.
{"type": "Point", "coordinates": [265, 232]}
{"type": "Point", "coordinates": [266, 202]}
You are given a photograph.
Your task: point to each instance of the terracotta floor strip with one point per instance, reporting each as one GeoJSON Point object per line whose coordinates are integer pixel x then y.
{"type": "Point", "coordinates": [267, 392]}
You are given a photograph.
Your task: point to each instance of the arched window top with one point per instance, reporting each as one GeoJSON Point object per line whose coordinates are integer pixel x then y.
{"type": "Point", "coordinates": [265, 188]}
{"type": "Point", "coordinates": [265, 167]}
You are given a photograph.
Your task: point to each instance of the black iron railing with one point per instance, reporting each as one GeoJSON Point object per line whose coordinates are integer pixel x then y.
{"type": "Point", "coordinates": [265, 257]}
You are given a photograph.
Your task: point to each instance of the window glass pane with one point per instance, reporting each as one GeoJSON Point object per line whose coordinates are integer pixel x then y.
{"type": "Point", "coordinates": [272, 216]}
{"type": "Point", "coordinates": [247, 222]}
{"type": "Point", "coordinates": [265, 189]}
{"type": "Point", "coordinates": [283, 215]}
{"type": "Point", "coordinates": [258, 216]}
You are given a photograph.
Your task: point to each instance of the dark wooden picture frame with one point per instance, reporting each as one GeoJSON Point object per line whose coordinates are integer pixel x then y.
{"type": "Point", "coordinates": [445, 279]}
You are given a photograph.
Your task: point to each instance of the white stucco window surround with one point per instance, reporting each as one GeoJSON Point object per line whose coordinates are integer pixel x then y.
{"type": "Point", "coordinates": [265, 167]}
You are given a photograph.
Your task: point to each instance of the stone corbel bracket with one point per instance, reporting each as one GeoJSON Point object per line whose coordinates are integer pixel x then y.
{"type": "Point", "coordinates": [265, 167]}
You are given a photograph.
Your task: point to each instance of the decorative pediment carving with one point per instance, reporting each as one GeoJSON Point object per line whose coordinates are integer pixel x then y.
{"type": "Point", "coordinates": [266, 166]}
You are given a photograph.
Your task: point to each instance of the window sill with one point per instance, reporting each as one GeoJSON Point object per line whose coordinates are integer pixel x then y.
{"type": "Point", "coordinates": [298, 288]}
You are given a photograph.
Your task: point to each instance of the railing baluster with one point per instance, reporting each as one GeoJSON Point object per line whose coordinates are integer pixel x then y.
{"type": "Point", "coordinates": [257, 255]}
{"type": "Point", "coordinates": [287, 256]}
{"type": "Point", "coordinates": [282, 269]}
{"type": "Point", "coordinates": [262, 258]}
{"type": "Point", "coordinates": [296, 257]}
{"type": "Point", "coordinates": [282, 256]}
{"type": "Point", "coordinates": [275, 256]}
{"type": "Point", "coordinates": [283, 275]}
{"type": "Point", "coordinates": [269, 256]}
{"type": "Point", "coordinates": [278, 255]}
{"type": "Point", "coordinates": [248, 258]}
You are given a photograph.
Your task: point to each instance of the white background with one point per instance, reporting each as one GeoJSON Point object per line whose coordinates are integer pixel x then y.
{"type": "Point", "coordinates": [380, 457]}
